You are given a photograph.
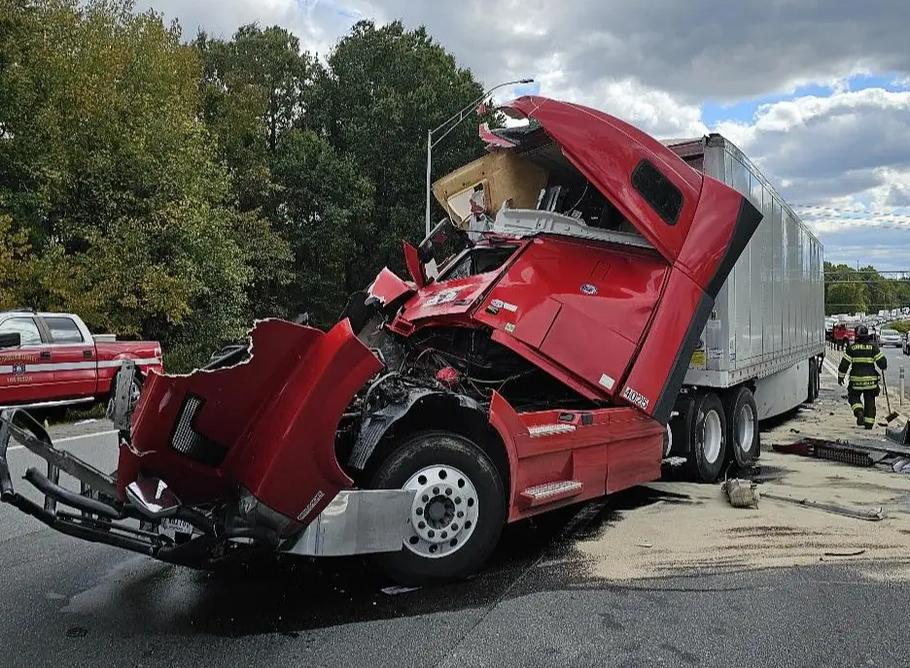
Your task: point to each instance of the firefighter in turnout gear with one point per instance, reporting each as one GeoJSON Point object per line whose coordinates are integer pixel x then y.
{"type": "Point", "coordinates": [864, 356]}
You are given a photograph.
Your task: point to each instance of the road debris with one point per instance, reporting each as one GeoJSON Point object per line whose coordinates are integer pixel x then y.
{"type": "Point", "coordinates": [855, 553]}
{"type": "Point", "coordinates": [871, 514]}
{"type": "Point", "coordinates": [741, 493]}
{"type": "Point", "coordinates": [831, 450]}
{"type": "Point", "coordinates": [394, 591]}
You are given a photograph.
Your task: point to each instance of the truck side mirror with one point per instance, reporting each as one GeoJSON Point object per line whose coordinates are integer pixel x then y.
{"type": "Point", "coordinates": [10, 340]}
{"type": "Point", "coordinates": [426, 252]}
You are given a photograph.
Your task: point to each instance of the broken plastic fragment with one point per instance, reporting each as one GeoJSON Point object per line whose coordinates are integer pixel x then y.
{"type": "Point", "coordinates": [392, 591]}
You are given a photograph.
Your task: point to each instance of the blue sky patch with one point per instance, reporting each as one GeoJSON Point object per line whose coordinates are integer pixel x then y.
{"type": "Point", "coordinates": [745, 110]}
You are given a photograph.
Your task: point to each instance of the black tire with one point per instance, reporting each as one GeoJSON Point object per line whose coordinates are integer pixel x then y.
{"type": "Point", "coordinates": [432, 449]}
{"type": "Point", "coordinates": [818, 378]}
{"type": "Point", "coordinates": [707, 438]}
{"type": "Point", "coordinates": [813, 381]}
{"type": "Point", "coordinates": [743, 439]}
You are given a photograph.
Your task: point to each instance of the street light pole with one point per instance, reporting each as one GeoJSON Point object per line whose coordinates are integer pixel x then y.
{"type": "Point", "coordinates": [453, 121]}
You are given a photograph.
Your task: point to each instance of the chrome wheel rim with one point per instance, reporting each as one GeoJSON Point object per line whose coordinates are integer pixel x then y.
{"type": "Point", "coordinates": [745, 428]}
{"type": "Point", "coordinates": [444, 512]}
{"type": "Point", "coordinates": [713, 437]}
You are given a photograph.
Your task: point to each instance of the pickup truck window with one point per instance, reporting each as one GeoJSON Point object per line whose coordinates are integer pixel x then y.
{"type": "Point", "coordinates": [27, 328]}
{"type": "Point", "coordinates": [63, 330]}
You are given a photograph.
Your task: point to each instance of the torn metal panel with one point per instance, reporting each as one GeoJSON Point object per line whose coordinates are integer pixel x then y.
{"type": "Point", "coordinates": [820, 449]}
{"type": "Point", "coordinates": [850, 453]}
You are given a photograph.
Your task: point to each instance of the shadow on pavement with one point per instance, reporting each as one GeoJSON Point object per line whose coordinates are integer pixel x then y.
{"type": "Point", "coordinates": [292, 596]}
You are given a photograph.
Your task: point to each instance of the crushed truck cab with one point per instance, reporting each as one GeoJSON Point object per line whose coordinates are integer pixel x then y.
{"type": "Point", "coordinates": [537, 366]}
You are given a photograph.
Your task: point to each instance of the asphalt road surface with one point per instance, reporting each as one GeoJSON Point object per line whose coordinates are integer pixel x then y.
{"type": "Point", "coordinates": [896, 360]}
{"type": "Point", "coordinates": [70, 603]}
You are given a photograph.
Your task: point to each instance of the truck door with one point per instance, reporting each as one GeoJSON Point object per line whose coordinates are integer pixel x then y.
{"type": "Point", "coordinates": [26, 374]}
{"type": "Point", "coordinates": [75, 366]}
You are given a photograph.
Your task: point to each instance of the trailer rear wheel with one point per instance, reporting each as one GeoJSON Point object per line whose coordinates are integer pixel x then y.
{"type": "Point", "coordinates": [742, 427]}
{"type": "Point", "coordinates": [813, 380]}
{"type": "Point", "coordinates": [458, 512]}
{"type": "Point", "coordinates": [707, 438]}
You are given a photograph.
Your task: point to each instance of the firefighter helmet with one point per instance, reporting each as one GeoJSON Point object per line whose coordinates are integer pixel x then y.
{"type": "Point", "coordinates": [862, 332]}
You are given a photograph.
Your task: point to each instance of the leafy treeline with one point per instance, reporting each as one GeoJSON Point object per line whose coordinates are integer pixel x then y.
{"type": "Point", "coordinates": [849, 290]}
{"type": "Point", "coordinates": [177, 190]}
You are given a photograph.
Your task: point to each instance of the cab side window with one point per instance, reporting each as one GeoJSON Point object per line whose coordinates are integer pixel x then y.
{"type": "Point", "coordinates": [27, 328]}
{"type": "Point", "coordinates": [63, 330]}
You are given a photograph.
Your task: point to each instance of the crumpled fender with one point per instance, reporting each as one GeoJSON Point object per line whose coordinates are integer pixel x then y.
{"type": "Point", "coordinates": [388, 287]}
{"type": "Point", "coordinates": [268, 424]}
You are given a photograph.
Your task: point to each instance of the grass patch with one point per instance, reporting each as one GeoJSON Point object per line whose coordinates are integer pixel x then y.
{"type": "Point", "coordinates": [68, 416]}
{"type": "Point", "coordinates": [902, 326]}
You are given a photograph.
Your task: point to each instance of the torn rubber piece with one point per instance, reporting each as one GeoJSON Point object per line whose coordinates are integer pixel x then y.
{"type": "Point", "coordinates": [870, 514]}
{"type": "Point", "coordinates": [854, 553]}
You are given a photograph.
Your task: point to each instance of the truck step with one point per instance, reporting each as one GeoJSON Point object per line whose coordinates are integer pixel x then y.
{"type": "Point", "coordinates": [550, 429]}
{"type": "Point", "coordinates": [550, 492]}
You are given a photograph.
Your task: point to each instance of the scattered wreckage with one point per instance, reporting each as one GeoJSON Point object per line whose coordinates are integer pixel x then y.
{"type": "Point", "coordinates": [537, 367]}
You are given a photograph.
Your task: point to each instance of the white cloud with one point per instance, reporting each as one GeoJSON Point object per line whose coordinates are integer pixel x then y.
{"type": "Point", "coordinates": [656, 63]}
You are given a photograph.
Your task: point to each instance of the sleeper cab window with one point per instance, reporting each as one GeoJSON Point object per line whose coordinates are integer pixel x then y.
{"type": "Point", "coordinates": [658, 191]}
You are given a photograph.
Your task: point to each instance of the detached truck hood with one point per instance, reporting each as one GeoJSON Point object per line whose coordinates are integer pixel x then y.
{"type": "Point", "coordinates": [613, 322]}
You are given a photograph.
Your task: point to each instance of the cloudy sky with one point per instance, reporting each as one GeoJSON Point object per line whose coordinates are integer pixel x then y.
{"type": "Point", "coordinates": [816, 92]}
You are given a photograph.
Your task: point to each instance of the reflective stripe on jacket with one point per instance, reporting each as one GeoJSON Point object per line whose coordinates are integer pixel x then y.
{"type": "Point", "coordinates": [863, 357]}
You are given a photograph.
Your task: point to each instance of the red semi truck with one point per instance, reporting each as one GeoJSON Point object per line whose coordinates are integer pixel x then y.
{"type": "Point", "coordinates": [535, 368]}
{"type": "Point", "coordinates": [54, 361]}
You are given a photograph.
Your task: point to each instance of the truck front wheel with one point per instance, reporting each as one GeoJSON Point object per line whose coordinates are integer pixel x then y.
{"type": "Point", "coordinates": [707, 438]}
{"type": "Point", "coordinates": [458, 512]}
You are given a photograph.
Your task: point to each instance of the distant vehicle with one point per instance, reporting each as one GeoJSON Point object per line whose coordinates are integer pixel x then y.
{"type": "Point", "coordinates": [845, 332]}
{"type": "Point", "coordinates": [890, 337]}
{"type": "Point", "coordinates": [56, 362]}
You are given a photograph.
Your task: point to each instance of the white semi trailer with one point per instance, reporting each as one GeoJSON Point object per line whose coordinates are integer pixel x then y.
{"type": "Point", "coordinates": [761, 352]}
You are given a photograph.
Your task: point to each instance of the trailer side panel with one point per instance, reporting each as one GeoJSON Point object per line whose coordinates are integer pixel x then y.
{"type": "Point", "coordinates": [770, 313]}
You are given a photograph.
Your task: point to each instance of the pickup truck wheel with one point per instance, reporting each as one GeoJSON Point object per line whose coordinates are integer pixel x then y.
{"type": "Point", "coordinates": [458, 512]}
{"type": "Point", "coordinates": [707, 438]}
{"type": "Point", "coordinates": [742, 427]}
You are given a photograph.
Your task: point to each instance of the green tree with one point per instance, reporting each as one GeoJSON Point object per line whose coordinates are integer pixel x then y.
{"type": "Point", "coordinates": [107, 169]}
{"type": "Point", "coordinates": [323, 199]}
{"type": "Point", "coordinates": [253, 90]}
{"type": "Point", "coordinates": [844, 290]}
{"type": "Point", "coordinates": [382, 90]}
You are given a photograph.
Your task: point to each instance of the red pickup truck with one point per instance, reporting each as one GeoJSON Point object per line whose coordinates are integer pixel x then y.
{"type": "Point", "coordinates": [57, 362]}
{"type": "Point", "coordinates": [844, 332]}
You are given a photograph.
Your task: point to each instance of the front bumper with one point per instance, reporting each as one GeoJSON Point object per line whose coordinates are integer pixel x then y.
{"type": "Point", "coordinates": [94, 513]}
{"type": "Point", "coordinates": [354, 522]}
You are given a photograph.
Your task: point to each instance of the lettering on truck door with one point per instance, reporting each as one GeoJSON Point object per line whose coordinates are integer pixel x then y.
{"type": "Point", "coordinates": [26, 374]}
{"type": "Point", "coordinates": [75, 366]}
